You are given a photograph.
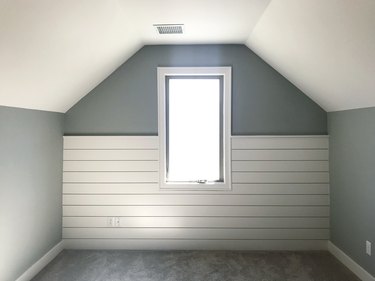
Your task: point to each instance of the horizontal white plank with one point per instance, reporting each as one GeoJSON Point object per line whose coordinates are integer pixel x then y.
{"type": "Point", "coordinates": [286, 188]}
{"type": "Point", "coordinates": [194, 233]}
{"type": "Point", "coordinates": [104, 154]}
{"type": "Point", "coordinates": [147, 244]}
{"type": "Point", "coordinates": [237, 177]}
{"type": "Point", "coordinates": [111, 142]}
{"type": "Point", "coordinates": [199, 222]}
{"type": "Point", "coordinates": [280, 142]}
{"type": "Point", "coordinates": [280, 177]}
{"type": "Point", "coordinates": [110, 166]}
{"type": "Point", "coordinates": [284, 155]}
{"type": "Point", "coordinates": [153, 188]}
{"type": "Point", "coordinates": [196, 200]}
{"type": "Point", "coordinates": [280, 166]}
{"type": "Point", "coordinates": [197, 211]}
{"type": "Point", "coordinates": [97, 177]}
{"type": "Point", "coordinates": [110, 188]}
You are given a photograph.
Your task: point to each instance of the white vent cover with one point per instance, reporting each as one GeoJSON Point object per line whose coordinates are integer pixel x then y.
{"type": "Point", "coordinates": [169, 28]}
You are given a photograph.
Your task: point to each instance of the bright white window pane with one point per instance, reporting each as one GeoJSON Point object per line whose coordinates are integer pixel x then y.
{"type": "Point", "coordinates": [194, 130]}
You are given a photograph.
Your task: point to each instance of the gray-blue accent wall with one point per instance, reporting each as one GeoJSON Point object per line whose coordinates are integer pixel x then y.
{"type": "Point", "coordinates": [352, 171]}
{"type": "Point", "coordinates": [31, 146]}
{"type": "Point", "coordinates": [263, 101]}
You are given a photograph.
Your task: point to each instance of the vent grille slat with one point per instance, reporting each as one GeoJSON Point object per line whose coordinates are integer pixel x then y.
{"type": "Point", "coordinates": [169, 28]}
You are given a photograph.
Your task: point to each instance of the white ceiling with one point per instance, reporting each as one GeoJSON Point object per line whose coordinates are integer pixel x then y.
{"type": "Point", "coordinates": [52, 53]}
{"type": "Point", "coordinates": [324, 47]}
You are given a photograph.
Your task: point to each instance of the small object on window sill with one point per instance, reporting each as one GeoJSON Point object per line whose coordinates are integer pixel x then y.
{"type": "Point", "coordinates": [201, 181]}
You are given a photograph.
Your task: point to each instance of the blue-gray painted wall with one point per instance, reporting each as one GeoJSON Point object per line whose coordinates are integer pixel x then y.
{"type": "Point", "coordinates": [30, 187]}
{"type": "Point", "coordinates": [352, 170]}
{"type": "Point", "coordinates": [263, 101]}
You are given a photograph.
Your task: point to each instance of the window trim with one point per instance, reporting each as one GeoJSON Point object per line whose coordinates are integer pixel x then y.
{"type": "Point", "coordinates": [162, 75]}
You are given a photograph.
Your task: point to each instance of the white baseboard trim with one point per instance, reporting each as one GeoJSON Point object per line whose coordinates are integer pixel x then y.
{"type": "Point", "coordinates": [41, 263]}
{"type": "Point", "coordinates": [351, 264]}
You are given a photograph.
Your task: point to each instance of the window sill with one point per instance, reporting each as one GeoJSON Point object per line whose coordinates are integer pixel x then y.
{"type": "Point", "coordinates": [196, 187]}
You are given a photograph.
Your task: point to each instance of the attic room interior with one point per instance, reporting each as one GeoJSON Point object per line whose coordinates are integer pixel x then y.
{"type": "Point", "coordinates": [187, 140]}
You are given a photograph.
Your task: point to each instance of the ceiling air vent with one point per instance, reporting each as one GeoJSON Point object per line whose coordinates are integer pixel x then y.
{"type": "Point", "coordinates": [169, 28]}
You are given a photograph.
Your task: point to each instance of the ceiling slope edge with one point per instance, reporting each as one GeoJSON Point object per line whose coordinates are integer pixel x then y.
{"type": "Point", "coordinates": [259, 53]}
{"type": "Point", "coordinates": [129, 53]}
{"type": "Point", "coordinates": [324, 48]}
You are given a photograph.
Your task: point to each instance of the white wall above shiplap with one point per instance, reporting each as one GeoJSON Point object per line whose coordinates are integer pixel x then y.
{"type": "Point", "coordinates": [277, 201]}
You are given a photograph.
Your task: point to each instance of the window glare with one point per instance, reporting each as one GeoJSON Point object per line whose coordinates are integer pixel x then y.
{"type": "Point", "coordinates": [194, 129]}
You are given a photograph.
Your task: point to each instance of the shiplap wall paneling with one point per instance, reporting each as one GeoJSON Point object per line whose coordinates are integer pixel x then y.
{"type": "Point", "coordinates": [197, 211]}
{"type": "Point", "coordinates": [201, 222]}
{"type": "Point", "coordinates": [189, 244]}
{"type": "Point", "coordinates": [194, 233]}
{"type": "Point", "coordinates": [153, 188]}
{"type": "Point", "coordinates": [194, 200]}
{"type": "Point", "coordinates": [279, 198]}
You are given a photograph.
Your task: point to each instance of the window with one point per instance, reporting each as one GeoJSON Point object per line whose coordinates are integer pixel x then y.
{"type": "Point", "coordinates": [194, 127]}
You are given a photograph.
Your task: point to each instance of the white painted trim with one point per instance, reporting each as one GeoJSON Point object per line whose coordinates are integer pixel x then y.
{"type": "Point", "coordinates": [279, 136]}
{"type": "Point", "coordinates": [351, 264]}
{"type": "Point", "coordinates": [111, 142]}
{"type": "Point", "coordinates": [284, 142]}
{"type": "Point", "coordinates": [42, 262]}
{"type": "Point", "coordinates": [226, 72]}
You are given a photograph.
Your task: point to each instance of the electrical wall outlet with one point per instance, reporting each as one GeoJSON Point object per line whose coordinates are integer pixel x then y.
{"type": "Point", "coordinates": [368, 248]}
{"type": "Point", "coordinates": [113, 222]}
{"type": "Point", "coordinates": [117, 222]}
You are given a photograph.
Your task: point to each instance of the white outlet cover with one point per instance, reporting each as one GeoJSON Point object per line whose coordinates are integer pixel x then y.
{"type": "Point", "coordinates": [117, 222]}
{"type": "Point", "coordinates": [368, 248]}
{"type": "Point", "coordinates": [113, 221]}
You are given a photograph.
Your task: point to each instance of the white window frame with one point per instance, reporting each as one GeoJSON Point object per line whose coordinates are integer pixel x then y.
{"type": "Point", "coordinates": [226, 73]}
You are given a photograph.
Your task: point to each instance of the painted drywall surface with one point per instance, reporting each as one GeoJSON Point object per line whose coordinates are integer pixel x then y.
{"type": "Point", "coordinates": [352, 170]}
{"type": "Point", "coordinates": [263, 101]}
{"type": "Point", "coordinates": [30, 187]}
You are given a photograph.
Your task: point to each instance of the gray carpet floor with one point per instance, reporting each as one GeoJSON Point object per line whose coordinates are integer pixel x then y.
{"type": "Point", "coordinates": [81, 265]}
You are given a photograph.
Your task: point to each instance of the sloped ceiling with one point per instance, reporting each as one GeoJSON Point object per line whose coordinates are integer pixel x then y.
{"type": "Point", "coordinates": [324, 47]}
{"type": "Point", "coordinates": [52, 53]}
